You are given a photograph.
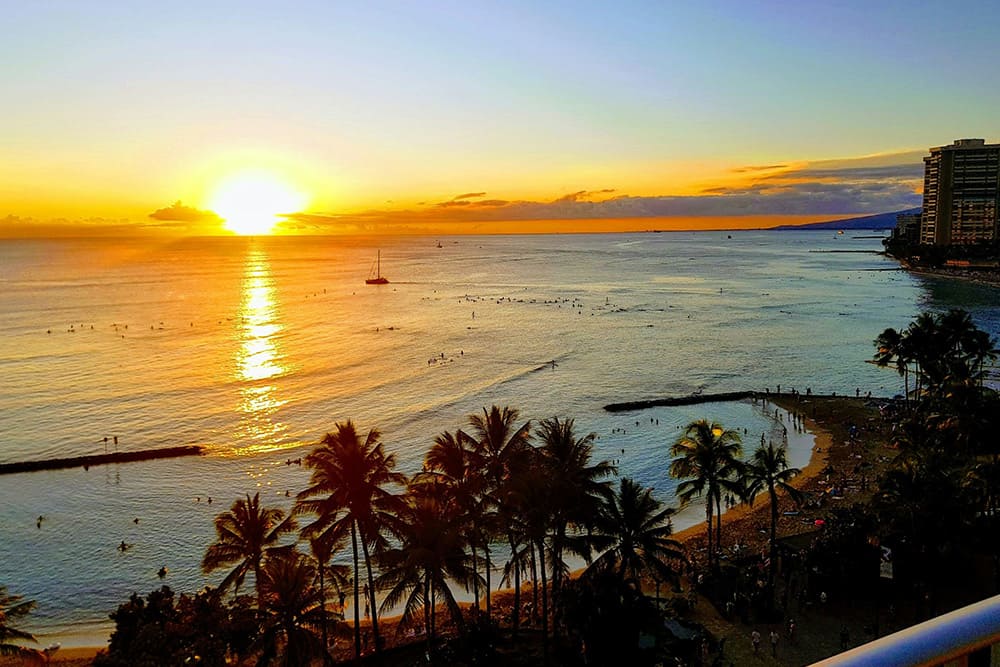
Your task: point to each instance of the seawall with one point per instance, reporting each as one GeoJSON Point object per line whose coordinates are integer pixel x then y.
{"type": "Point", "coordinates": [100, 459]}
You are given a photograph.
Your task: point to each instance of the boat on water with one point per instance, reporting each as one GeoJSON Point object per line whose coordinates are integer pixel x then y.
{"type": "Point", "coordinates": [375, 276]}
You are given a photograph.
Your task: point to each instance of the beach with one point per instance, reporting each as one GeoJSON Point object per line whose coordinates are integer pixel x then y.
{"type": "Point", "coordinates": [834, 462]}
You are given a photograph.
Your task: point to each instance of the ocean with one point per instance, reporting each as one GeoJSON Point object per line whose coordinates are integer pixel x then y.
{"type": "Point", "coordinates": [255, 347]}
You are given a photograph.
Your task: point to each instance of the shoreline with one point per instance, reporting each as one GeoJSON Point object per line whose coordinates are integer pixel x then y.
{"type": "Point", "coordinates": [742, 523]}
{"type": "Point", "coordinates": [988, 277]}
{"type": "Point", "coordinates": [836, 461]}
{"type": "Point", "coordinates": [819, 459]}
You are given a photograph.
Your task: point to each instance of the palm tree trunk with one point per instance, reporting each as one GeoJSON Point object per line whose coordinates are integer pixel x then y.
{"type": "Point", "coordinates": [534, 585]}
{"type": "Point", "coordinates": [433, 609]}
{"type": "Point", "coordinates": [357, 611]}
{"type": "Point", "coordinates": [489, 568]}
{"type": "Point", "coordinates": [545, 604]}
{"type": "Point", "coordinates": [256, 578]}
{"type": "Point", "coordinates": [322, 615]}
{"type": "Point", "coordinates": [371, 595]}
{"type": "Point", "coordinates": [557, 563]}
{"type": "Point", "coordinates": [516, 619]}
{"type": "Point", "coordinates": [428, 628]}
{"type": "Point", "coordinates": [906, 387]}
{"type": "Point", "coordinates": [708, 518]}
{"type": "Point", "coordinates": [774, 539]}
{"type": "Point", "coordinates": [475, 568]}
{"type": "Point", "coordinates": [718, 527]}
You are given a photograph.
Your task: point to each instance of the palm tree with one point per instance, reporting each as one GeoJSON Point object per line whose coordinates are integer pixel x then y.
{"type": "Point", "coordinates": [339, 575]}
{"type": "Point", "coordinates": [292, 609]}
{"type": "Point", "coordinates": [706, 458]}
{"type": "Point", "coordinates": [530, 505]}
{"type": "Point", "coordinates": [891, 348]}
{"type": "Point", "coordinates": [500, 446]}
{"type": "Point", "coordinates": [634, 532]}
{"type": "Point", "coordinates": [431, 551]}
{"type": "Point", "coordinates": [768, 470]}
{"type": "Point", "coordinates": [245, 532]}
{"type": "Point", "coordinates": [454, 469]}
{"type": "Point", "coordinates": [578, 489]}
{"type": "Point", "coordinates": [13, 608]}
{"type": "Point", "coordinates": [348, 495]}
{"type": "Point", "coordinates": [922, 340]}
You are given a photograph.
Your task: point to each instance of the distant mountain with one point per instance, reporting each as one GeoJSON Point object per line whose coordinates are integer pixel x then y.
{"type": "Point", "coordinates": [878, 221]}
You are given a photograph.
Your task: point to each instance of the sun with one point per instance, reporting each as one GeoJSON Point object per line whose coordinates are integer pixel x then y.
{"type": "Point", "coordinates": [251, 201]}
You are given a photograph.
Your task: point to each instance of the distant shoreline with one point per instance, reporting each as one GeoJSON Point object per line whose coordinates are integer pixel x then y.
{"type": "Point", "coordinates": [988, 277]}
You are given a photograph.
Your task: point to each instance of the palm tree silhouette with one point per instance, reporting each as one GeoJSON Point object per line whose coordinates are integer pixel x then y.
{"type": "Point", "coordinates": [348, 494]}
{"type": "Point", "coordinates": [500, 446]}
{"type": "Point", "coordinates": [13, 609]}
{"type": "Point", "coordinates": [633, 532]}
{"type": "Point", "coordinates": [431, 551]}
{"type": "Point", "coordinates": [244, 533]}
{"type": "Point", "coordinates": [892, 348]}
{"type": "Point", "coordinates": [454, 470]}
{"type": "Point", "coordinates": [578, 489]}
{"type": "Point", "coordinates": [292, 612]}
{"type": "Point", "coordinates": [768, 470]}
{"type": "Point", "coordinates": [338, 575]}
{"type": "Point", "coordinates": [706, 458]}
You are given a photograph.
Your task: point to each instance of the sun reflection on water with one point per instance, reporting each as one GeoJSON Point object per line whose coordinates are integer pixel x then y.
{"type": "Point", "coordinates": [259, 359]}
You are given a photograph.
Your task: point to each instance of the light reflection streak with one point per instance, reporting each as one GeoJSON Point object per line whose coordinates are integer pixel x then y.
{"type": "Point", "coordinates": [259, 360]}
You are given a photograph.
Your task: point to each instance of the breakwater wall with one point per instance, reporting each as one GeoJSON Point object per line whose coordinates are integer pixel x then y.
{"type": "Point", "coordinates": [691, 399]}
{"type": "Point", "coordinates": [100, 459]}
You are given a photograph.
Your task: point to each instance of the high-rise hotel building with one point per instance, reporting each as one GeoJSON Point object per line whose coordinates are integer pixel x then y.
{"type": "Point", "coordinates": [961, 195]}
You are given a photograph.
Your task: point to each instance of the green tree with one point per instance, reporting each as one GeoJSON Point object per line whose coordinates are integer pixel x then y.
{"type": "Point", "coordinates": [13, 610]}
{"type": "Point", "coordinates": [349, 492]}
{"type": "Point", "coordinates": [244, 533]}
{"type": "Point", "coordinates": [706, 459]}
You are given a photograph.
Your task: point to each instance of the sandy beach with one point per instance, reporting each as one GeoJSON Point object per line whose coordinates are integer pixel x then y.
{"type": "Point", "coordinates": [828, 419]}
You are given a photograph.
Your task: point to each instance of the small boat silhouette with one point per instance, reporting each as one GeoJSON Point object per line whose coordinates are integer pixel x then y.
{"type": "Point", "coordinates": [375, 276]}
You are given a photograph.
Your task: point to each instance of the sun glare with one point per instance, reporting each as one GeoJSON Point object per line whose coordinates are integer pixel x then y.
{"type": "Point", "coordinates": [251, 202]}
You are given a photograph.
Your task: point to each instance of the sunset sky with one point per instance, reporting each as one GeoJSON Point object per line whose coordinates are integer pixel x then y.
{"type": "Point", "coordinates": [373, 116]}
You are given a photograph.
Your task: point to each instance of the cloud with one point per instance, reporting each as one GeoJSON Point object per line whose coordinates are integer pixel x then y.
{"type": "Point", "coordinates": [178, 212]}
{"type": "Point", "coordinates": [753, 168]}
{"type": "Point", "coordinates": [582, 195]}
{"type": "Point", "coordinates": [889, 172]}
{"type": "Point", "coordinates": [15, 226]}
{"type": "Point", "coordinates": [854, 186]}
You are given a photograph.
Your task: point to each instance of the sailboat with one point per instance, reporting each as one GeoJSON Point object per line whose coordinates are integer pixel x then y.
{"type": "Point", "coordinates": [375, 276]}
